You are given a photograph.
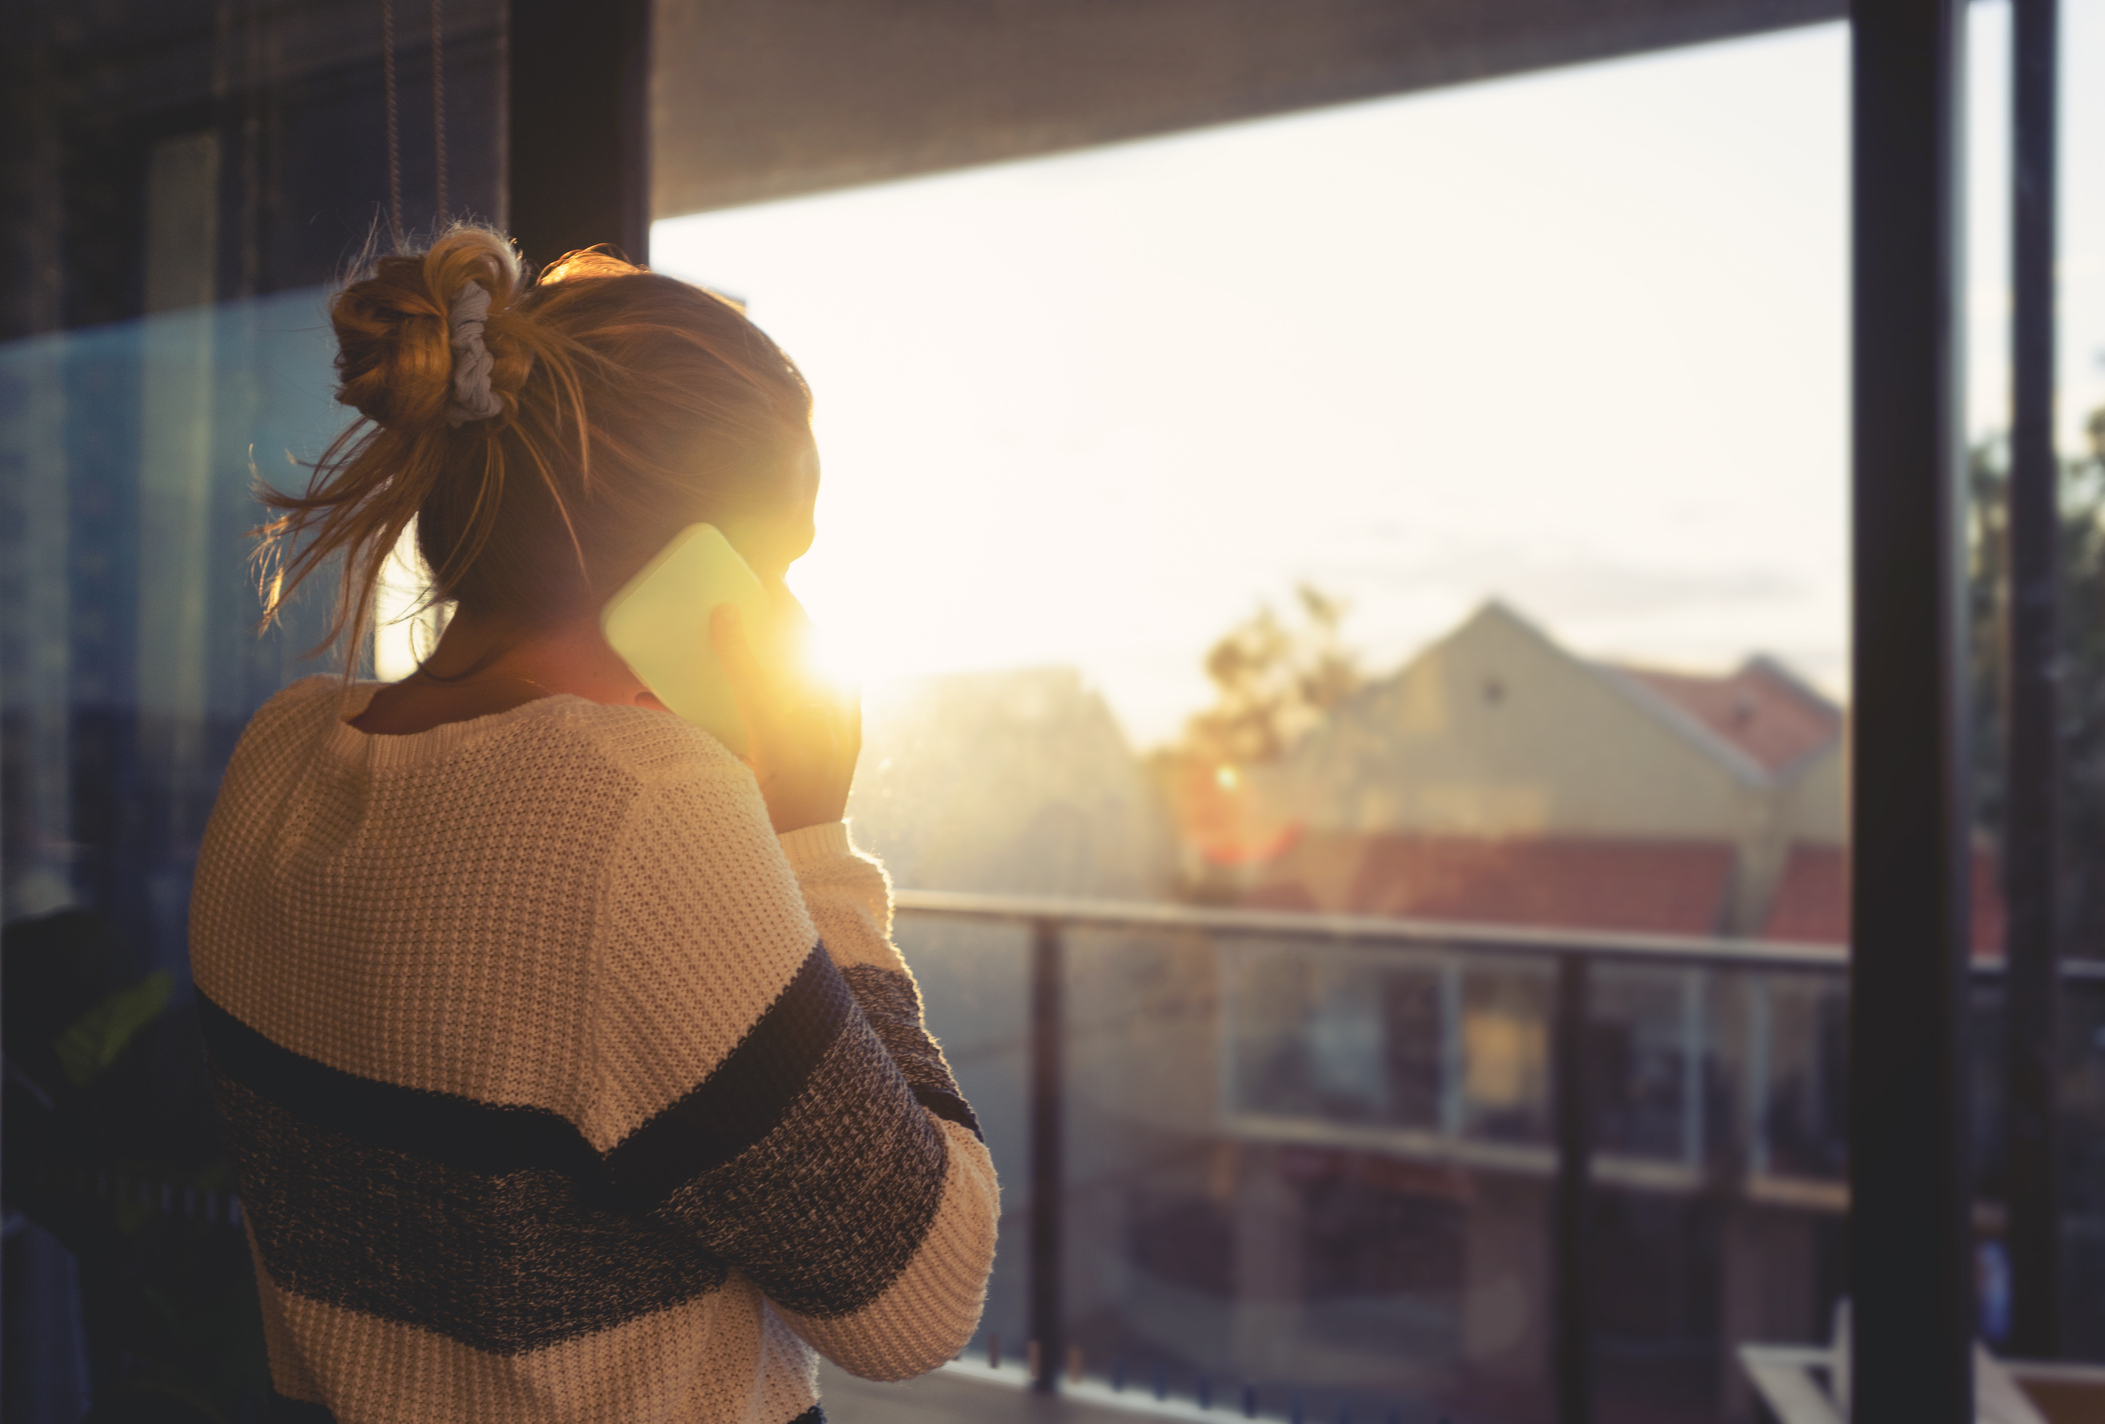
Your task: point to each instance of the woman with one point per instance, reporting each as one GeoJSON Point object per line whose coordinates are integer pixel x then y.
{"type": "Point", "coordinates": [568, 1068]}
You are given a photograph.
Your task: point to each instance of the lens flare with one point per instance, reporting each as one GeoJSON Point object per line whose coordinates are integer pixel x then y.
{"type": "Point", "coordinates": [832, 659]}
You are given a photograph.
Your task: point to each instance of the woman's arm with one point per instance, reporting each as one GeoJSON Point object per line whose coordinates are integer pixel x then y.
{"type": "Point", "coordinates": [850, 900]}
{"type": "Point", "coordinates": [748, 1095]}
{"type": "Point", "coordinates": [851, 904]}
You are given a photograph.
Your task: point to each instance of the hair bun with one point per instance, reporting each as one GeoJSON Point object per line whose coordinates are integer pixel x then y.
{"type": "Point", "coordinates": [395, 337]}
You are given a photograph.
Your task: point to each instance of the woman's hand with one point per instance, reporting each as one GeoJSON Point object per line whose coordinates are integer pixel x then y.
{"type": "Point", "coordinates": [802, 739]}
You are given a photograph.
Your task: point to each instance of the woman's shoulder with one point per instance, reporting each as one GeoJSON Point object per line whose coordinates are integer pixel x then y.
{"type": "Point", "coordinates": [309, 702]}
{"type": "Point", "coordinates": [643, 742]}
{"type": "Point", "coordinates": [678, 784]}
{"type": "Point", "coordinates": [309, 692]}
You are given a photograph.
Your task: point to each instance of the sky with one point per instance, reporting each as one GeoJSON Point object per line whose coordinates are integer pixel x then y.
{"type": "Point", "coordinates": [1574, 340]}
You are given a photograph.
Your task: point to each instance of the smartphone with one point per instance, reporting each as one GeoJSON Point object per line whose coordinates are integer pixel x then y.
{"type": "Point", "coordinates": [659, 623]}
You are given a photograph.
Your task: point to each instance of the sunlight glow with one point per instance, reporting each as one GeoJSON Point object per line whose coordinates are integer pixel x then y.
{"type": "Point", "coordinates": [1577, 339]}
{"type": "Point", "coordinates": [404, 629]}
{"type": "Point", "coordinates": [833, 660]}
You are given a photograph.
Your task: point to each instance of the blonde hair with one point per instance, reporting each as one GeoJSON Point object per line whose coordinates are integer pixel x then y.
{"type": "Point", "coordinates": [631, 405]}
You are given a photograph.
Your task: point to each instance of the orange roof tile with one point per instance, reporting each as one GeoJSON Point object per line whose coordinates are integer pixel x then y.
{"type": "Point", "coordinates": [1661, 887]}
{"type": "Point", "coordinates": [1760, 710]}
{"type": "Point", "coordinates": [1811, 902]}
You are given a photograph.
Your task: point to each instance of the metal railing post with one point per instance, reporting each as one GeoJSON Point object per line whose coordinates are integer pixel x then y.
{"type": "Point", "coordinates": [2031, 845]}
{"type": "Point", "coordinates": [1571, 1332]}
{"type": "Point", "coordinates": [1048, 985]}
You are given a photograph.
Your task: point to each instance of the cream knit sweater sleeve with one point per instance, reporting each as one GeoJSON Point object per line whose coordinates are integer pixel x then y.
{"type": "Point", "coordinates": [850, 900]}
{"type": "Point", "coordinates": [867, 1208]}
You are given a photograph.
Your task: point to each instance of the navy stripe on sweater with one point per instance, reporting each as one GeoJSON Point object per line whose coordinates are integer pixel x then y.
{"type": "Point", "coordinates": [805, 1160]}
{"type": "Point", "coordinates": [737, 1105]}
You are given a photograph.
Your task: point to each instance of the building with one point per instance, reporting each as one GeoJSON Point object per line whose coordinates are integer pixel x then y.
{"type": "Point", "coordinates": [1018, 782]}
{"type": "Point", "coordinates": [1499, 777]}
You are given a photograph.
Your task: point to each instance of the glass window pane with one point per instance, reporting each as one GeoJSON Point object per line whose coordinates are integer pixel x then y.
{"type": "Point", "coordinates": [1441, 502]}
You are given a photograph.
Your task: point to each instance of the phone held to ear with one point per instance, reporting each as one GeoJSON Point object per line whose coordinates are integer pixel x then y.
{"type": "Point", "coordinates": [659, 623]}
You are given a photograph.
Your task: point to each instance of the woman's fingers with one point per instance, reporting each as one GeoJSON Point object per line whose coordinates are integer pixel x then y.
{"type": "Point", "coordinates": [802, 743]}
{"type": "Point", "coordinates": [734, 651]}
{"type": "Point", "coordinates": [848, 728]}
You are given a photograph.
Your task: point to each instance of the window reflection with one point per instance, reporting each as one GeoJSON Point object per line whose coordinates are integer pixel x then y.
{"type": "Point", "coordinates": [137, 661]}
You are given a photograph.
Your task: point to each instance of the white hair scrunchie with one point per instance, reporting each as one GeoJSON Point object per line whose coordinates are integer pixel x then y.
{"type": "Point", "coordinates": [472, 397]}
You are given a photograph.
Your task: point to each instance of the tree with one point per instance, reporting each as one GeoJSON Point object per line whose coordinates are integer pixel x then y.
{"type": "Point", "coordinates": [2082, 683]}
{"type": "Point", "coordinates": [1273, 682]}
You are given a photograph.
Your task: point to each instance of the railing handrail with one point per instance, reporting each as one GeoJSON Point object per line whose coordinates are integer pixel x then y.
{"type": "Point", "coordinates": [1416, 933]}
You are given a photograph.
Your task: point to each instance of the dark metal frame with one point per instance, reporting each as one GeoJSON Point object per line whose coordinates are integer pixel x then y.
{"type": "Point", "coordinates": [2031, 839]}
{"type": "Point", "coordinates": [579, 114]}
{"type": "Point", "coordinates": [1910, 1263]}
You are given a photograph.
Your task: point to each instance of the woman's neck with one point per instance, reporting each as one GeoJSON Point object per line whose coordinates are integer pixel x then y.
{"type": "Point", "coordinates": [483, 666]}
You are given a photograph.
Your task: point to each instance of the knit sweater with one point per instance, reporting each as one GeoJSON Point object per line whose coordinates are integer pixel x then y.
{"type": "Point", "coordinates": [558, 1087]}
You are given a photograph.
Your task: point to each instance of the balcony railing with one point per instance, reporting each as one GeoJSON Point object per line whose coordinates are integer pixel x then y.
{"type": "Point", "coordinates": [1689, 1067]}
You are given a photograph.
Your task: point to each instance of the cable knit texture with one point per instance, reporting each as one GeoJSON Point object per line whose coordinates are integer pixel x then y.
{"type": "Point", "coordinates": [559, 1088]}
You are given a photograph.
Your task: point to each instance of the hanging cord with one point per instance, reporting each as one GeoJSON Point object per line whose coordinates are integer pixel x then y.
{"type": "Point", "coordinates": [394, 138]}
{"type": "Point", "coordinates": [438, 104]}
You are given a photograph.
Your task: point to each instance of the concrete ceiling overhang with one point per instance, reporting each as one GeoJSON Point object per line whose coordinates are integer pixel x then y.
{"type": "Point", "coordinates": [760, 99]}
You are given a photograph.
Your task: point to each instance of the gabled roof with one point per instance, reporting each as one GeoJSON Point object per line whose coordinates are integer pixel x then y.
{"type": "Point", "coordinates": [1762, 710]}
{"type": "Point", "coordinates": [1761, 721]}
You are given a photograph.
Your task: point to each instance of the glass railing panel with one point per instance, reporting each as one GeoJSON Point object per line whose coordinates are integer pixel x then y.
{"type": "Point", "coordinates": [1344, 1036]}
{"type": "Point", "coordinates": [1505, 1046]}
{"type": "Point", "coordinates": [1158, 1273]}
{"type": "Point", "coordinates": [1802, 1111]}
{"type": "Point", "coordinates": [1281, 1199]}
{"type": "Point", "coordinates": [975, 994]}
{"type": "Point", "coordinates": [2083, 1167]}
{"type": "Point", "coordinates": [1648, 1049]}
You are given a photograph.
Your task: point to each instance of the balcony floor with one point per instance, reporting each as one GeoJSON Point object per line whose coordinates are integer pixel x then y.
{"type": "Point", "coordinates": [954, 1396]}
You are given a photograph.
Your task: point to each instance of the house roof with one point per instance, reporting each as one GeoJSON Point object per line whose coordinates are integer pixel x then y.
{"type": "Point", "coordinates": [1811, 901]}
{"type": "Point", "coordinates": [1760, 721]}
{"type": "Point", "coordinates": [1659, 887]}
{"type": "Point", "coordinates": [1761, 710]}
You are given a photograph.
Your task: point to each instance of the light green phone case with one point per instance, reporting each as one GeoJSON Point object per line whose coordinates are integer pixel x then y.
{"type": "Point", "coordinates": [659, 623]}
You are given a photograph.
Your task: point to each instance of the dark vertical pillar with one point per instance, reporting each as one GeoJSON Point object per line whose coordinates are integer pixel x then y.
{"type": "Point", "coordinates": [579, 107]}
{"type": "Point", "coordinates": [1909, 1257]}
{"type": "Point", "coordinates": [1048, 1027]}
{"type": "Point", "coordinates": [2031, 840]}
{"type": "Point", "coordinates": [1571, 1331]}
